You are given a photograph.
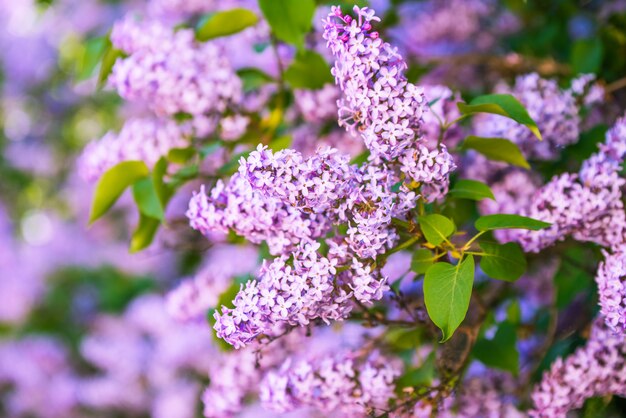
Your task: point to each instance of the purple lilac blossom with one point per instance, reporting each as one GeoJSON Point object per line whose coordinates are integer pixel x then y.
{"type": "Point", "coordinates": [611, 280]}
{"type": "Point", "coordinates": [293, 291]}
{"type": "Point", "coordinates": [342, 384]}
{"type": "Point", "coordinates": [596, 369]}
{"type": "Point", "coordinates": [556, 111]}
{"type": "Point", "coordinates": [587, 205]}
{"type": "Point", "coordinates": [318, 105]}
{"type": "Point", "coordinates": [170, 72]}
{"type": "Point", "coordinates": [40, 378]}
{"type": "Point", "coordinates": [142, 139]}
{"type": "Point", "coordinates": [443, 109]}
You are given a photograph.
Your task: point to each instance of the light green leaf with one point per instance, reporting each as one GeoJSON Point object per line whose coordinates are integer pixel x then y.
{"type": "Point", "coordinates": [501, 104]}
{"type": "Point", "coordinates": [309, 70]}
{"type": "Point", "coordinates": [497, 149]}
{"type": "Point", "coordinates": [436, 228]}
{"type": "Point", "coordinates": [224, 23]}
{"type": "Point", "coordinates": [503, 261]}
{"type": "Point", "coordinates": [113, 183]}
{"type": "Point", "coordinates": [147, 199]}
{"type": "Point", "coordinates": [447, 292]}
{"type": "Point", "coordinates": [507, 221]}
{"type": "Point", "coordinates": [180, 155]}
{"type": "Point", "coordinates": [163, 190]}
{"type": "Point", "coordinates": [93, 51]}
{"type": "Point", "coordinates": [471, 189]}
{"type": "Point", "coordinates": [501, 351]}
{"type": "Point", "coordinates": [144, 233]}
{"type": "Point", "coordinates": [280, 143]}
{"type": "Point", "coordinates": [421, 261]}
{"type": "Point", "coordinates": [418, 376]}
{"type": "Point", "coordinates": [290, 20]}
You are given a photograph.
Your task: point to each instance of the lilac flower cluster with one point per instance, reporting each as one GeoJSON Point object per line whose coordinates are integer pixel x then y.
{"type": "Point", "coordinates": [596, 369]}
{"type": "Point", "coordinates": [294, 291]}
{"type": "Point", "coordinates": [40, 378]}
{"type": "Point", "coordinates": [143, 139]}
{"type": "Point", "coordinates": [380, 104]}
{"type": "Point", "coordinates": [556, 111]}
{"type": "Point", "coordinates": [434, 28]}
{"type": "Point", "coordinates": [377, 99]}
{"type": "Point", "coordinates": [170, 72]}
{"type": "Point", "coordinates": [342, 384]}
{"type": "Point", "coordinates": [587, 205]}
{"type": "Point", "coordinates": [611, 279]}
{"type": "Point", "coordinates": [443, 109]}
{"type": "Point", "coordinates": [318, 105]}
{"type": "Point", "coordinates": [308, 140]}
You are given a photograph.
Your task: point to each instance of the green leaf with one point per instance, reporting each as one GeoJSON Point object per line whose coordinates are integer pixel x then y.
{"type": "Point", "coordinates": [500, 351]}
{"type": "Point", "coordinates": [309, 70]}
{"type": "Point", "coordinates": [147, 199]}
{"type": "Point", "coordinates": [180, 155]}
{"type": "Point", "coordinates": [447, 292]}
{"type": "Point", "coordinates": [290, 20]}
{"type": "Point", "coordinates": [418, 376]}
{"type": "Point", "coordinates": [501, 104]}
{"type": "Point", "coordinates": [507, 221]}
{"type": "Point", "coordinates": [108, 61]}
{"type": "Point", "coordinates": [280, 143]}
{"type": "Point", "coordinates": [113, 183]}
{"type": "Point", "coordinates": [587, 55]}
{"type": "Point", "coordinates": [436, 228]}
{"type": "Point", "coordinates": [403, 339]}
{"type": "Point", "coordinates": [163, 190]}
{"type": "Point", "coordinates": [421, 261]}
{"type": "Point", "coordinates": [144, 233]}
{"type": "Point", "coordinates": [471, 189]}
{"type": "Point", "coordinates": [497, 149]}
{"type": "Point", "coordinates": [253, 78]}
{"type": "Point", "coordinates": [503, 261]}
{"type": "Point", "coordinates": [93, 51]}
{"type": "Point", "coordinates": [224, 23]}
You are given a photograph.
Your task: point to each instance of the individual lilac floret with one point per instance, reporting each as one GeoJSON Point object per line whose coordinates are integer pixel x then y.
{"type": "Point", "coordinates": [238, 207]}
{"type": "Point", "coordinates": [172, 73]}
{"type": "Point", "coordinates": [587, 206]}
{"type": "Point", "coordinates": [377, 99]}
{"type": "Point", "coordinates": [293, 291]}
{"type": "Point", "coordinates": [555, 110]}
{"type": "Point", "coordinates": [342, 384]}
{"type": "Point", "coordinates": [142, 139]}
{"type": "Point", "coordinates": [596, 369]}
{"type": "Point", "coordinates": [611, 280]}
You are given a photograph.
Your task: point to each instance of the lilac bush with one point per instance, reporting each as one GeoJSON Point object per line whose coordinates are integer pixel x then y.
{"type": "Point", "coordinates": [260, 208]}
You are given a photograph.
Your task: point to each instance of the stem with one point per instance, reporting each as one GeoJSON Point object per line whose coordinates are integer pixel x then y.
{"type": "Point", "coordinates": [474, 238]}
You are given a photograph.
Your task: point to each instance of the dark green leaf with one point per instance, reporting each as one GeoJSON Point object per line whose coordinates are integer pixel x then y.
{"type": "Point", "coordinates": [507, 221]}
{"type": "Point", "coordinates": [501, 351]}
{"type": "Point", "coordinates": [471, 189]}
{"type": "Point", "coordinates": [497, 149]}
{"type": "Point", "coordinates": [309, 70]}
{"type": "Point", "coordinates": [147, 199]}
{"type": "Point", "coordinates": [113, 183]}
{"type": "Point", "coordinates": [501, 104]}
{"type": "Point", "coordinates": [108, 61]}
{"type": "Point", "coordinates": [144, 233]}
{"type": "Point", "coordinates": [419, 376]}
{"type": "Point", "coordinates": [421, 261]}
{"type": "Point", "coordinates": [587, 55]}
{"type": "Point", "coordinates": [447, 292]}
{"type": "Point", "coordinates": [436, 228]}
{"type": "Point", "coordinates": [253, 78]}
{"type": "Point", "coordinates": [290, 20]}
{"type": "Point", "coordinates": [503, 261]}
{"type": "Point", "coordinates": [224, 23]}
